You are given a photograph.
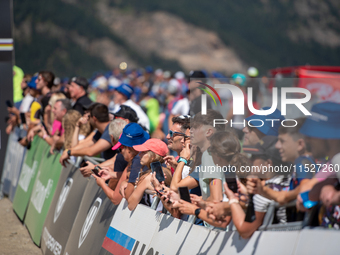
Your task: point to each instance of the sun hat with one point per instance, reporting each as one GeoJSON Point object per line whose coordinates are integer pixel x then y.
{"type": "Point", "coordinates": [133, 134]}
{"type": "Point", "coordinates": [155, 145]}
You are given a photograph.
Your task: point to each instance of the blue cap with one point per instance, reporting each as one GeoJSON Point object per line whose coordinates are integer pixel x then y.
{"type": "Point", "coordinates": [324, 122]}
{"type": "Point", "coordinates": [239, 79]}
{"type": "Point", "coordinates": [269, 127]}
{"type": "Point", "coordinates": [125, 89]}
{"type": "Point", "coordinates": [32, 84]}
{"type": "Point", "coordinates": [149, 69]}
{"type": "Point", "coordinates": [133, 134]}
{"type": "Point", "coordinates": [217, 75]}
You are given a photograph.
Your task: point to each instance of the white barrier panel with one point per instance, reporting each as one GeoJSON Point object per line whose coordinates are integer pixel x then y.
{"type": "Point", "coordinates": [261, 242]}
{"type": "Point", "coordinates": [318, 241]}
{"type": "Point", "coordinates": [174, 236]}
{"type": "Point", "coordinates": [147, 232]}
{"type": "Point", "coordinates": [12, 166]}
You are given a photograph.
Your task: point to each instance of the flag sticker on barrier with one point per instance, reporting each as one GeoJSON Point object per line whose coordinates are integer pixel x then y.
{"type": "Point", "coordinates": [117, 242]}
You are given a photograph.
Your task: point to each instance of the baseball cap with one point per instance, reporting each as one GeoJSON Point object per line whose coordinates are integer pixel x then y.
{"type": "Point", "coordinates": [265, 147]}
{"type": "Point", "coordinates": [133, 134]}
{"type": "Point", "coordinates": [155, 145]}
{"type": "Point", "coordinates": [324, 122]}
{"type": "Point", "coordinates": [269, 127]}
{"type": "Point", "coordinates": [80, 81]}
{"type": "Point", "coordinates": [126, 112]}
{"type": "Point", "coordinates": [32, 84]}
{"type": "Point", "coordinates": [125, 89]}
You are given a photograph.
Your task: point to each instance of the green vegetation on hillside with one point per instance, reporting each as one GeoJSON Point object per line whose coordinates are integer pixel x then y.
{"type": "Point", "coordinates": [62, 55]}
{"type": "Point", "coordinates": [256, 31]}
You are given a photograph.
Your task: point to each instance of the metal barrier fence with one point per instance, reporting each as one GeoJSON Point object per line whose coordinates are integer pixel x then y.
{"type": "Point", "coordinates": [69, 214]}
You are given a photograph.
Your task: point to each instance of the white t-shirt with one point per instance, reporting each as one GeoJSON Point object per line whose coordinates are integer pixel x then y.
{"type": "Point", "coordinates": [26, 103]}
{"type": "Point", "coordinates": [182, 107]}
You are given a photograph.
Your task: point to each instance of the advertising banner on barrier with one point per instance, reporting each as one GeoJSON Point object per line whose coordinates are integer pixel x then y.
{"type": "Point", "coordinates": [93, 220]}
{"type": "Point", "coordinates": [63, 210]}
{"type": "Point", "coordinates": [147, 232]}
{"type": "Point", "coordinates": [42, 194]}
{"type": "Point", "coordinates": [13, 161]}
{"type": "Point", "coordinates": [27, 176]}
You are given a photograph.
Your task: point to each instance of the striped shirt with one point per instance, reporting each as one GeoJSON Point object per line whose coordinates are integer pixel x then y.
{"type": "Point", "coordinates": [261, 204]}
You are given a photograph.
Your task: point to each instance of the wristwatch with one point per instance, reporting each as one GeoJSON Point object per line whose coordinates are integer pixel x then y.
{"type": "Point", "coordinates": [197, 212]}
{"type": "Point", "coordinates": [69, 153]}
{"type": "Point", "coordinates": [182, 160]}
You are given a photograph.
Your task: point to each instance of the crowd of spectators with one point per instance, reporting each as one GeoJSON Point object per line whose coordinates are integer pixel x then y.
{"type": "Point", "coordinates": [156, 142]}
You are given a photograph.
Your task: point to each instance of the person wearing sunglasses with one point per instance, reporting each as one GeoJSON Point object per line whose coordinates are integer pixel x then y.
{"type": "Point", "coordinates": [176, 138]}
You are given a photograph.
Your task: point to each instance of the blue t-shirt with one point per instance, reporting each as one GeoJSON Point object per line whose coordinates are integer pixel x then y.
{"type": "Point", "coordinates": [197, 190]}
{"type": "Point", "coordinates": [135, 169]}
{"type": "Point", "coordinates": [109, 153]}
{"type": "Point", "coordinates": [303, 172]}
{"type": "Point", "coordinates": [120, 163]}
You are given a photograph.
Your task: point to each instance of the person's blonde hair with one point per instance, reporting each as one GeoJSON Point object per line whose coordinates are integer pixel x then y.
{"type": "Point", "coordinates": [53, 99]}
{"type": "Point", "coordinates": [69, 122]}
{"type": "Point", "coordinates": [153, 158]}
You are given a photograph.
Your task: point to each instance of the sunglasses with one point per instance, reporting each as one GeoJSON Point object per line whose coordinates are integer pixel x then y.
{"type": "Point", "coordinates": [173, 134]}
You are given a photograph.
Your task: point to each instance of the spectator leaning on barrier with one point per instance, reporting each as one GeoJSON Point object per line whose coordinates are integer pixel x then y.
{"type": "Point", "coordinates": [225, 150]}
{"type": "Point", "coordinates": [24, 104]}
{"type": "Point", "coordinates": [264, 156]}
{"type": "Point", "coordinates": [322, 134]}
{"type": "Point", "coordinates": [35, 106]}
{"type": "Point", "coordinates": [210, 181]}
{"type": "Point", "coordinates": [118, 163]}
{"type": "Point", "coordinates": [253, 135]}
{"type": "Point", "coordinates": [176, 138]}
{"type": "Point", "coordinates": [32, 116]}
{"type": "Point", "coordinates": [126, 115]}
{"type": "Point", "coordinates": [52, 123]}
{"type": "Point", "coordinates": [201, 131]}
{"type": "Point", "coordinates": [70, 123]}
{"type": "Point", "coordinates": [122, 96]}
{"type": "Point", "coordinates": [116, 127]}
{"type": "Point", "coordinates": [292, 148]}
{"type": "Point", "coordinates": [44, 84]}
{"type": "Point", "coordinates": [78, 92]}
{"type": "Point", "coordinates": [60, 108]}
{"type": "Point", "coordinates": [151, 151]}
{"type": "Point", "coordinates": [27, 100]}
{"type": "Point", "coordinates": [133, 134]}
{"type": "Point", "coordinates": [99, 143]}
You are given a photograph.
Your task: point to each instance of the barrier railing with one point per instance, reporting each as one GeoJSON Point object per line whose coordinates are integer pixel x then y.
{"type": "Point", "coordinates": [69, 214]}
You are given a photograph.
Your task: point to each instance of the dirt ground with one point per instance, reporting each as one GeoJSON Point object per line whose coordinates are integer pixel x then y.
{"type": "Point", "coordinates": [14, 237]}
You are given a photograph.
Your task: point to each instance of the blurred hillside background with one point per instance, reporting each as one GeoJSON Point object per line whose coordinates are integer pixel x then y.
{"type": "Point", "coordinates": [78, 37]}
